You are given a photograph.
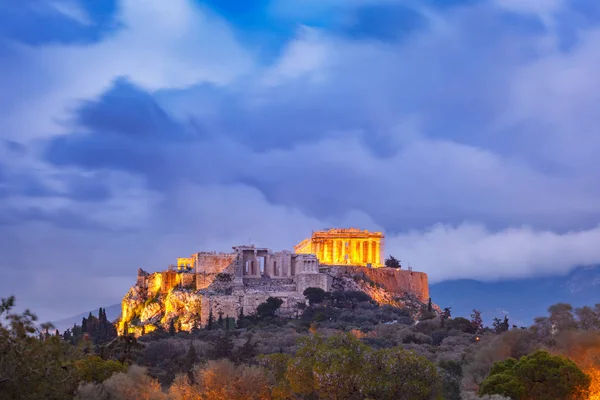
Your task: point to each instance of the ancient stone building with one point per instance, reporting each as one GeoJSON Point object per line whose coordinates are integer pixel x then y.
{"type": "Point", "coordinates": [344, 247]}
{"type": "Point", "coordinates": [230, 282]}
{"type": "Point", "coordinates": [227, 284]}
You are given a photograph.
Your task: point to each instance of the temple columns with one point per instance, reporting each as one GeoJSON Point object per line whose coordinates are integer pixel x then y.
{"type": "Point", "coordinates": [334, 259]}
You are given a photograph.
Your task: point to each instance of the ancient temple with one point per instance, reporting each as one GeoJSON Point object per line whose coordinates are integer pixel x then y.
{"type": "Point", "coordinates": [344, 247]}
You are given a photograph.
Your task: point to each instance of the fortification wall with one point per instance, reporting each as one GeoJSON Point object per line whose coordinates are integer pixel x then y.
{"type": "Point", "coordinates": [230, 306]}
{"type": "Point", "coordinates": [213, 263]}
{"type": "Point", "coordinates": [304, 281]}
{"type": "Point", "coordinates": [391, 279]}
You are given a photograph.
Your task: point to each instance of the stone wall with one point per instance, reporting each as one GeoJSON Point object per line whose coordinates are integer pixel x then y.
{"type": "Point", "coordinates": [391, 279]}
{"type": "Point", "coordinates": [209, 264]}
{"type": "Point", "coordinates": [213, 263]}
{"type": "Point", "coordinates": [304, 281]}
{"type": "Point", "coordinates": [169, 281]}
{"type": "Point", "coordinates": [231, 305]}
{"type": "Point", "coordinates": [188, 280]}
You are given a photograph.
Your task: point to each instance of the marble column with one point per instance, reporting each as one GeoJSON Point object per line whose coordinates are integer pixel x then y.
{"type": "Point", "coordinates": [334, 255]}
{"type": "Point", "coordinates": [378, 253]}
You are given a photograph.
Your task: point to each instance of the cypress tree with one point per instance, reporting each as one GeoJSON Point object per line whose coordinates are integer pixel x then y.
{"type": "Point", "coordinates": [172, 327]}
{"type": "Point", "coordinates": [220, 320]}
{"type": "Point", "coordinates": [210, 320]}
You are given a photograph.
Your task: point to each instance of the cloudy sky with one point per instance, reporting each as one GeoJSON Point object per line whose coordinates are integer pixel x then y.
{"type": "Point", "coordinates": [136, 131]}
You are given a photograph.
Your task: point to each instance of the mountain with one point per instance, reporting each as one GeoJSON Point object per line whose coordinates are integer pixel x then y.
{"type": "Point", "coordinates": [112, 312]}
{"type": "Point", "coordinates": [522, 299]}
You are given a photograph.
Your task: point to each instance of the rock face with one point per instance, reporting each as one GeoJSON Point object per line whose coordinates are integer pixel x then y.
{"type": "Point", "coordinates": [393, 280]}
{"type": "Point", "coordinates": [398, 288]}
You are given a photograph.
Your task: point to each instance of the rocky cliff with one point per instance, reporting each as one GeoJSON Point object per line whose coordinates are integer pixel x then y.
{"type": "Point", "coordinates": [161, 298]}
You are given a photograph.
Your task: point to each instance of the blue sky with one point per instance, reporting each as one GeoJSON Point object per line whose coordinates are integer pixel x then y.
{"type": "Point", "coordinates": [136, 131]}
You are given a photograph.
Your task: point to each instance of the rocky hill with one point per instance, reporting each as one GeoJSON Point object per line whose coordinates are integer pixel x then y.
{"type": "Point", "coordinates": [171, 297]}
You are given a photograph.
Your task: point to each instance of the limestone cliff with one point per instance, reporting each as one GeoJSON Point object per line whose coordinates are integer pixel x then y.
{"type": "Point", "coordinates": [398, 288]}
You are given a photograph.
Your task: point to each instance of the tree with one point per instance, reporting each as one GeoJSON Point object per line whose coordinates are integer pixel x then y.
{"type": "Point", "coordinates": [246, 352]}
{"type": "Point", "coordinates": [477, 321]}
{"type": "Point", "coordinates": [429, 305]}
{"type": "Point", "coordinates": [172, 327]}
{"type": "Point", "coordinates": [452, 374]}
{"type": "Point", "coordinates": [314, 295]}
{"type": "Point", "coordinates": [30, 367]}
{"type": "Point", "coordinates": [392, 262]}
{"type": "Point", "coordinates": [500, 326]}
{"type": "Point", "coordinates": [561, 317]}
{"type": "Point", "coordinates": [445, 315]}
{"type": "Point", "coordinates": [222, 347]}
{"type": "Point", "coordinates": [269, 307]}
{"type": "Point", "coordinates": [342, 367]}
{"type": "Point", "coordinates": [539, 375]}
{"type": "Point", "coordinates": [220, 320]}
{"type": "Point", "coordinates": [95, 369]}
{"type": "Point", "coordinates": [209, 324]}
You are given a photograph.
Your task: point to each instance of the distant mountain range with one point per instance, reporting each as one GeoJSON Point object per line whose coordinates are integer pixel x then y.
{"type": "Point", "coordinates": [112, 312]}
{"type": "Point", "coordinates": [521, 300]}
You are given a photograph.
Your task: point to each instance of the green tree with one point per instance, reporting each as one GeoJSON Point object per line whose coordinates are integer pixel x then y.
{"type": "Point", "coordinates": [269, 307]}
{"type": "Point", "coordinates": [451, 374]}
{"type": "Point", "coordinates": [392, 262]}
{"type": "Point", "coordinates": [539, 375]}
{"type": "Point", "coordinates": [95, 369]}
{"type": "Point", "coordinates": [342, 367]}
{"type": "Point", "coordinates": [33, 365]}
{"type": "Point", "coordinates": [314, 295]}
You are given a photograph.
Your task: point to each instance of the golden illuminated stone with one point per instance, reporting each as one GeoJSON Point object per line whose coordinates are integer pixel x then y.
{"type": "Point", "coordinates": [344, 247]}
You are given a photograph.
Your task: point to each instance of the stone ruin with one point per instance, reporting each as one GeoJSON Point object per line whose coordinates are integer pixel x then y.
{"type": "Point", "coordinates": [231, 282]}
{"type": "Point", "coordinates": [228, 284]}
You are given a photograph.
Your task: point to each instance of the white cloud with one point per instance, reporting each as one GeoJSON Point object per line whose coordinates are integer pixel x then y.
{"type": "Point", "coordinates": [471, 251]}
{"type": "Point", "coordinates": [307, 55]}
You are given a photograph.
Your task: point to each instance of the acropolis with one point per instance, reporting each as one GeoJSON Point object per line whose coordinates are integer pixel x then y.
{"type": "Point", "coordinates": [236, 282]}
{"type": "Point", "coordinates": [344, 247]}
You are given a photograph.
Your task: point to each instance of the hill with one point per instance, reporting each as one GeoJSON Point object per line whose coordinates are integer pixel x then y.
{"type": "Point", "coordinates": [521, 299]}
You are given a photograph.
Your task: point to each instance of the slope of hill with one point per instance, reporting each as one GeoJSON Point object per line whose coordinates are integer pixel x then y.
{"type": "Point", "coordinates": [112, 313]}
{"type": "Point", "coordinates": [523, 299]}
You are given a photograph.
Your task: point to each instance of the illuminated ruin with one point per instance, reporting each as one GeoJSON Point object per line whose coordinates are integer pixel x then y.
{"type": "Point", "coordinates": [226, 285]}
{"type": "Point", "coordinates": [344, 247]}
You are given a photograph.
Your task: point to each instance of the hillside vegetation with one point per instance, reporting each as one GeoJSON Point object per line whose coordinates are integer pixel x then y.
{"type": "Point", "coordinates": [343, 345]}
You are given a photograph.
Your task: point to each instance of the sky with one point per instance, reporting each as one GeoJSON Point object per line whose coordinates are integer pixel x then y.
{"type": "Point", "coordinates": [133, 132]}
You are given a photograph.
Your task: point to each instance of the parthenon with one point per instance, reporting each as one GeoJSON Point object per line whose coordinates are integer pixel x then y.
{"type": "Point", "coordinates": [344, 247]}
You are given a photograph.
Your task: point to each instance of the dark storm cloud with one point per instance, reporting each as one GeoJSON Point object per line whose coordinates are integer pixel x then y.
{"type": "Point", "coordinates": [125, 130]}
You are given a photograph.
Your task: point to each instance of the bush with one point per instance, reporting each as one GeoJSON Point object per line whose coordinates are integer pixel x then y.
{"type": "Point", "coordinates": [314, 295]}
{"type": "Point", "coordinates": [269, 307]}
